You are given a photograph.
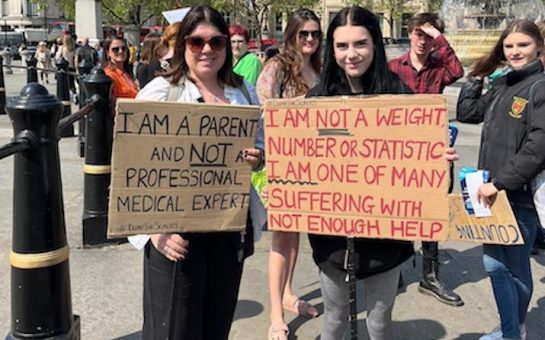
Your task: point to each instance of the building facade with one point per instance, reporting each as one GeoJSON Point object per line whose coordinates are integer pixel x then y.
{"type": "Point", "coordinates": [26, 14]}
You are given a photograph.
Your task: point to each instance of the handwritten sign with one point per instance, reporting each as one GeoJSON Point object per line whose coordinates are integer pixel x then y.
{"type": "Point", "coordinates": [364, 167]}
{"type": "Point", "coordinates": [179, 167]}
{"type": "Point", "coordinates": [500, 228]}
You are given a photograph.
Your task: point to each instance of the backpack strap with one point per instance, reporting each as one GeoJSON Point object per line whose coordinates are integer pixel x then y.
{"type": "Point", "coordinates": [246, 93]}
{"type": "Point", "coordinates": [174, 92]}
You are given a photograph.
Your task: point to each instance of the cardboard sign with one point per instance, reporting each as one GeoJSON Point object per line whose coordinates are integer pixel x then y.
{"type": "Point", "coordinates": [363, 167]}
{"type": "Point", "coordinates": [500, 228]}
{"type": "Point", "coordinates": [179, 167]}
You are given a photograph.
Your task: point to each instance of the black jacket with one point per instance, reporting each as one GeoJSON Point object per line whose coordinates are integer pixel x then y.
{"type": "Point", "coordinates": [512, 156]}
{"type": "Point", "coordinates": [374, 255]}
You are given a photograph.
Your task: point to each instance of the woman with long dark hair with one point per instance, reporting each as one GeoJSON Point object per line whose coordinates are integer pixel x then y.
{"type": "Point", "coordinates": [286, 75]}
{"type": "Point", "coordinates": [210, 264]}
{"type": "Point", "coordinates": [512, 144]}
{"type": "Point", "coordinates": [355, 64]}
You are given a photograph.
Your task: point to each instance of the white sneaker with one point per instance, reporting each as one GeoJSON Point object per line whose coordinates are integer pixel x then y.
{"type": "Point", "coordinates": [496, 333]}
{"type": "Point", "coordinates": [523, 332]}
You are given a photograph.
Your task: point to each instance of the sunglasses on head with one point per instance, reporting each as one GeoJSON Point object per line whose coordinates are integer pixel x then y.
{"type": "Point", "coordinates": [314, 34]}
{"type": "Point", "coordinates": [119, 49]}
{"type": "Point", "coordinates": [196, 43]}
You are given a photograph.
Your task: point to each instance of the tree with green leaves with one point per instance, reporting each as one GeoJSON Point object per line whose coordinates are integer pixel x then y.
{"type": "Point", "coordinates": [67, 7]}
{"type": "Point", "coordinates": [257, 12]}
{"type": "Point", "coordinates": [393, 9]}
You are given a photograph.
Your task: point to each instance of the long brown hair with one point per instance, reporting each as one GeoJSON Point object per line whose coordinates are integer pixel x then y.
{"type": "Point", "coordinates": [197, 15]}
{"type": "Point", "coordinates": [291, 58]}
{"type": "Point", "coordinates": [148, 47]}
{"type": "Point", "coordinates": [490, 62]}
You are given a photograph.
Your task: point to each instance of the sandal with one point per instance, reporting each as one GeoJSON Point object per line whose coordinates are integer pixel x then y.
{"type": "Point", "coordinates": [301, 307]}
{"type": "Point", "coordinates": [278, 331]}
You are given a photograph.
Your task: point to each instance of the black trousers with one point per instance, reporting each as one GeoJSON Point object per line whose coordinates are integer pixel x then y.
{"type": "Point", "coordinates": [207, 287]}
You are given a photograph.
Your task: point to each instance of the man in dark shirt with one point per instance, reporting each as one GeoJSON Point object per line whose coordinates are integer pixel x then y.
{"type": "Point", "coordinates": [428, 67]}
{"type": "Point", "coordinates": [85, 52]}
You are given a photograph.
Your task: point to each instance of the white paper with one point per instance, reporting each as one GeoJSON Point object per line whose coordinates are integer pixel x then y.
{"type": "Point", "coordinates": [473, 181]}
{"type": "Point", "coordinates": [176, 15]}
{"type": "Point", "coordinates": [139, 241]}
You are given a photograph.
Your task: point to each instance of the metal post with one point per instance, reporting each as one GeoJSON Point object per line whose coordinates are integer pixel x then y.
{"type": "Point", "coordinates": [41, 305]}
{"type": "Point", "coordinates": [83, 68]}
{"type": "Point", "coordinates": [97, 169]}
{"type": "Point", "coordinates": [31, 72]}
{"type": "Point", "coordinates": [63, 93]}
{"type": "Point", "coordinates": [2, 88]}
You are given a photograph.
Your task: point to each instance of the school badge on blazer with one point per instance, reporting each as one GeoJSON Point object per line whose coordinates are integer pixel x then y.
{"type": "Point", "coordinates": [517, 107]}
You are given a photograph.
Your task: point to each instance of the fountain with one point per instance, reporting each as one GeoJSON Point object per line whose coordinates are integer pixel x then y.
{"type": "Point", "coordinates": [474, 26]}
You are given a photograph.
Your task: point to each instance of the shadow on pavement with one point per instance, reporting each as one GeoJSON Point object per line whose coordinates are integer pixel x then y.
{"type": "Point", "coordinates": [415, 329]}
{"type": "Point", "coordinates": [453, 270]}
{"type": "Point", "coordinates": [247, 309]}
{"type": "Point", "coordinates": [132, 336]}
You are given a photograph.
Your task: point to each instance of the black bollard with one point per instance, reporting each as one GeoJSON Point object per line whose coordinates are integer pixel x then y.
{"type": "Point", "coordinates": [97, 169]}
{"type": "Point", "coordinates": [31, 71]}
{"type": "Point", "coordinates": [63, 93]}
{"type": "Point", "coordinates": [2, 88]}
{"type": "Point", "coordinates": [41, 305]}
{"type": "Point", "coordinates": [83, 68]}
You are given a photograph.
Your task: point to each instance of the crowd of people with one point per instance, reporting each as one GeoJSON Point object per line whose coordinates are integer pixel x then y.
{"type": "Point", "coordinates": [203, 60]}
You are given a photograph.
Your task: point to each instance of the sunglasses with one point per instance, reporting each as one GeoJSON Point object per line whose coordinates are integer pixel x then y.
{"type": "Point", "coordinates": [314, 34]}
{"type": "Point", "coordinates": [196, 43]}
{"type": "Point", "coordinates": [119, 49]}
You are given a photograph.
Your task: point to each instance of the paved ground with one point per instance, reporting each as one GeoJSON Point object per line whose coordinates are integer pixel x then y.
{"type": "Point", "coordinates": [106, 282]}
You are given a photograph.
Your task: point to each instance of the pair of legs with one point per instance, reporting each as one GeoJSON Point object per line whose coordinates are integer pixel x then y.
{"type": "Point", "coordinates": [282, 259]}
{"type": "Point", "coordinates": [509, 270]}
{"type": "Point", "coordinates": [206, 287]}
{"type": "Point", "coordinates": [379, 292]}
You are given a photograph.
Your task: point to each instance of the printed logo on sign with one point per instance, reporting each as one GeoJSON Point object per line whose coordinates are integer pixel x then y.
{"type": "Point", "coordinates": [517, 107]}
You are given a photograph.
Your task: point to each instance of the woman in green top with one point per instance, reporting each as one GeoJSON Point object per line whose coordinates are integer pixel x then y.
{"type": "Point", "coordinates": [246, 64]}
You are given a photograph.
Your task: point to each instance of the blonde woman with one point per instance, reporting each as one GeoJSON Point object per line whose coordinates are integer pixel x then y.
{"type": "Point", "coordinates": [43, 58]}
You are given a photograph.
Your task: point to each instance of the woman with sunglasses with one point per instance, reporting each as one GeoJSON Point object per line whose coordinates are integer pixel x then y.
{"type": "Point", "coordinates": [286, 75]}
{"type": "Point", "coordinates": [116, 66]}
{"type": "Point", "coordinates": [355, 64]}
{"type": "Point", "coordinates": [210, 267]}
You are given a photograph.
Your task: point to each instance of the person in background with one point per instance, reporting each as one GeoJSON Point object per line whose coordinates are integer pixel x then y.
{"type": "Point", "coordinates": [540, 235]}
{"type": "Point", "coordinates": [43, 58]}
{"type": "Point", "coordinates": [429, 66]}
{"type": "Point", "coordinates": [67, 51]}
{"type": "Point", "coordinates": [161, 55]}
{"type": "Point", "coordinates": [512, 144]}
{"type": "Point", "coordinates": [290, 74]}
{"type": "Point", "coordinates": [100, 53]}
{"type": "Point", "coordinates": [85, 52]}
{"type": "Point", "coordinates": [147, 67]}
{"type": "Point", "coordinates": [116, 66]}
{"type": "Point", "coordinates": [208, 278]}
{"type": "Point", "coordinates": [268, 52]}
{"type": "Point", "coordinates": [246, 63]}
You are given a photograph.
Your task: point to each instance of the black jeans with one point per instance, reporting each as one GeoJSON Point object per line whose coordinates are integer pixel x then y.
{"type": "Point", "coordinates": [207, 287]}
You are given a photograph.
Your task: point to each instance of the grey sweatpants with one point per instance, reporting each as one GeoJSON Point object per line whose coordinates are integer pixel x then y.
{"type": "Point", "coordinates": [379, 292]}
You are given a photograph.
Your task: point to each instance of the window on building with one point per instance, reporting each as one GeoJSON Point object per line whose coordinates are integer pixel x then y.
{"type": "Point", "coordinates": [380, 17]}
{"type": "Point", "coordinates": [5, 7]}
{"type": "Point", "coordinates": [32, 9]}
{"type": "Point", "coordinates": [227, 18]}
{"type": "Point", "coordinates": [405, 17]}
{"type": "Point", "coordinates": [278, 31]}
{"type": "Point", "coordinates": [331, 16]}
